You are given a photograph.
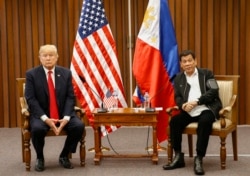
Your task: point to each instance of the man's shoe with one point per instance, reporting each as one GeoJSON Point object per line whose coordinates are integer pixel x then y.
{"type": "Point", "coordinates": [178, 162]}
{"type": "Point", "coordinates": [64, 161]}
{"type": "Point", "coordinates": [39, 165]}
{"type": "Point", "coordinates": [198, 169]}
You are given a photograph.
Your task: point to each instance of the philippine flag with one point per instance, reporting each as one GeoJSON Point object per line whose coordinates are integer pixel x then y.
{"type": "Point", "coordinates": [156, 60]}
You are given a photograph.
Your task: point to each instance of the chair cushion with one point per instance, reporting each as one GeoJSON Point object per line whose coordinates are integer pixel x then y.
{"type": "Point", "coordinates": [216, 124]}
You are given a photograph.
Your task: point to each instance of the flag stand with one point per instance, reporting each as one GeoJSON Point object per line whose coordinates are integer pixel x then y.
{"type": "Point", "coordinates": [103, 149]}
{"type": "Point", "coordinates": [159, 148]}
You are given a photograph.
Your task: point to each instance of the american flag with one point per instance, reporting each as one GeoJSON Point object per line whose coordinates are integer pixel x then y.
{"type": "Point", "coordinates": [109, 100]}
{"type": "Point", "coordinates": [95, 68]}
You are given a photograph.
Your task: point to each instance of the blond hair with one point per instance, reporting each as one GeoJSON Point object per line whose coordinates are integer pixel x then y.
{"type": "Point", "coordinates": [48, 48]}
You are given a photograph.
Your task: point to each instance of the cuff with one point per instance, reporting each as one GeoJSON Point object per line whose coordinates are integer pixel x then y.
{"type": "Point", "coordinates": [43, 117]}
{"type": "Point", "coordinates": [66, 118]}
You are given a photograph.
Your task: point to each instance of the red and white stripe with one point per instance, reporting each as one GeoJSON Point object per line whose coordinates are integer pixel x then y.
{"type": "Point", "coordinates": [95, 59]}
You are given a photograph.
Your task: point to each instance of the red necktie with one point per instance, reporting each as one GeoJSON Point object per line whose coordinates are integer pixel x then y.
{"type": "Point", "coordinates": [52, 98]}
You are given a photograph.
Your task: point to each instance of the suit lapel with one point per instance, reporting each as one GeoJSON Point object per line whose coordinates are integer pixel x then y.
{"type": "Point", "coordinates": [202, 82]}
{"type": "Point", "coordinates": [43, 79]}
{"type": "Point", "coordinates": [57, 81]}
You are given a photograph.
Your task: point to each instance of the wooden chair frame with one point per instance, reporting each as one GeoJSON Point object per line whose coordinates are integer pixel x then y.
{"type": "Point", "coordinates": [25, 128]}
{"type": "Point", "coordinates": [225, 125]}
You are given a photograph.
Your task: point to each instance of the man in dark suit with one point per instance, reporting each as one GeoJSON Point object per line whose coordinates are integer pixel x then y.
{"type": "Point", "coordinates": [38, 98]}
{"type": "Point", "coordinates": [199, 102]}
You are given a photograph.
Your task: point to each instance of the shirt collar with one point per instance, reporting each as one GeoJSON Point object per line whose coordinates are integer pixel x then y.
{"type": "Point", "coordinates": [46, 70]}
{"type": "Point", "coordinates": [194, 74]}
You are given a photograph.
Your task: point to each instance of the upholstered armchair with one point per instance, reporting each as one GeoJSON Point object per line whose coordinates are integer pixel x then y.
{"type": "Point", "coordinates": [227, 124]}
{"type": "Point", "coordinates": [25, 127]}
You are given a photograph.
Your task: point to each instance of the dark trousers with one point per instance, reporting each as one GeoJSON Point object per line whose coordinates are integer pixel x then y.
{"type": "Point", "coordinates": [39, 129]}
{"type": "Point", "coordinates": [179, 122]}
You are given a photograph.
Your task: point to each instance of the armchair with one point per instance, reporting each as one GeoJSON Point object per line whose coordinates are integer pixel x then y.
{"type": "Point", "coordinates": [228, 92]}
{"type": "Point", "coordinates": [25, 127]}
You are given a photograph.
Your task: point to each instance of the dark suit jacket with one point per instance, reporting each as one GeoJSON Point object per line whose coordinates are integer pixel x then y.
{"type": "Point", "coordinates": [37, 94]}
{"type": "Point", "coordinates": [209, 97]}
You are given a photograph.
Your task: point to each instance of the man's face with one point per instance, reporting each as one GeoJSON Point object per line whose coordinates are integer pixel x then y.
{"type": "Point", "coordinates": [188, 64]}
{"type": "Point", "coordinates": [48, 58]}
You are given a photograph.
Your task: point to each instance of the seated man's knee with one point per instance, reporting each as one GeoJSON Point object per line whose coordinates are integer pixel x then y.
{"type": "Point", "coordinates": [175, 119]}
{"type": "Point", "coordinates": [38, 130]}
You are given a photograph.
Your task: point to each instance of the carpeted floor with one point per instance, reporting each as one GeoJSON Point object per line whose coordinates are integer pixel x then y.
{"type": "Point", "coordinates": [124, 140]}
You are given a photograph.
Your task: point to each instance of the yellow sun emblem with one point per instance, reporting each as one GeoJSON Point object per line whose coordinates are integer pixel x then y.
{"type": "Point", "coordinates": [148, 17]}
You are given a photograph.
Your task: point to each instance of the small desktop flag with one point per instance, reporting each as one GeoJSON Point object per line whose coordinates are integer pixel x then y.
{"type": "Point", "coordinates": [109, 100]}
{"type": "Point", "coordinates": [137, 96]}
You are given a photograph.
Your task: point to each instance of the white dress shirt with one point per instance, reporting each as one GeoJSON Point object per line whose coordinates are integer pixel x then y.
{"type": "Point", "coordinates": [44, 117]}
{"type": "Point", "coordinates": [195, 93]}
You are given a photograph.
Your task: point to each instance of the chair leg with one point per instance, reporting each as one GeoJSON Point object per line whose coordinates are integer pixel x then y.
{"type": "Point", "coordinates": [223, 152]}
{"type": "Point", "coordinates": [26, 151]}
{"type": "Point", "coordinates": [22, 141]}
{"type": "Point", "coordinates": [82, 149]}
{"type": "Point", "coordinates": [170, 151]}
{"type": "Point", "coordinates": [234, 142]}
{"type": "Point", "coordinates": [190, 145]}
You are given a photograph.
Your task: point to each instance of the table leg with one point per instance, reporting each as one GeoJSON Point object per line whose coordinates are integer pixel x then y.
{"type": "Point", "coordinates": [98, 151]}
{"type": "Point", "coordinates": [155, 151]}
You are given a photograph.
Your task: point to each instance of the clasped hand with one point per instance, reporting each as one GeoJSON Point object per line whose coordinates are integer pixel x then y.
{"type": "Point", "coordinates": [53, 125]}
{"type": "Point", "coordinates": [189, 106]}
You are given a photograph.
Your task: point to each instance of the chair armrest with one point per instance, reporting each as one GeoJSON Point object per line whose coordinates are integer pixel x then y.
{"type": "Point", "coordinates": [171, 110]}
{"type": "Point", "coordinates": [80, 112]}
{"type": "Point", "coordinates": [225, 111]}
{"type": "Point", "coordinates": [25, 114]}
{"type": "Point", "coordinates": [24, 107]}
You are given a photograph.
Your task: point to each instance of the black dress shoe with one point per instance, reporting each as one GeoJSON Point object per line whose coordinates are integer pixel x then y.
{"type": "Point", "coordinates": [178, 162]}
{"type": "Point", "coordinates": [198, 169]}
{"type": "Point", "coordinates": [64, 161]}
{"type": "Point", "coordinates": [39, 165]}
